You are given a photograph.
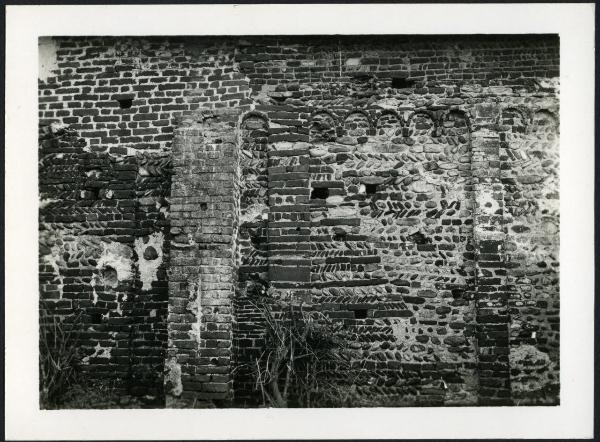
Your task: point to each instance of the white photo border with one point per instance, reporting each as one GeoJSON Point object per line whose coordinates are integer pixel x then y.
{"type": "Point", "coordinates": [573, 418]}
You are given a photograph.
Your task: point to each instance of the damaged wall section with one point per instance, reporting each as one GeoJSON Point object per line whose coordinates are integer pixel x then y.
{"type": "Point", "coordinates": [97, 211]}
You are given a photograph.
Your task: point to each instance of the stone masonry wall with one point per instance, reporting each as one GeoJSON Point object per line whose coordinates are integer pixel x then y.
{"type": "Point", "coordinates": [407, 187]}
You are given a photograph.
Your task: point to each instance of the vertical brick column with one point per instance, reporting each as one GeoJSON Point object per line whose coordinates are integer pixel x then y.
{"type": "Point", "coordinates": [490, 294]}
{"type": "Point", "coordinates": [289, 217]}
{"type": "Point", "coordinates": [204, 208]}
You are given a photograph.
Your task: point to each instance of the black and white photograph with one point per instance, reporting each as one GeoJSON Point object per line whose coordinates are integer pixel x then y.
{"type": "Point", "coordinates": [332, 220]}
{"type": "Point", "coordinates": [299, 221]}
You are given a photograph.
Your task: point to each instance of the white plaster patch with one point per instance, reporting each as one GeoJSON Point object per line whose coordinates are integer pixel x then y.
{"type": "Point", "coordinates": [369, 226]}
{"type": "Point", "coordinates": [265, 91]}
{"type": "Point", "coordinates": [118, 256]}
{"type": "Point", "coordinates": [195, 332]}
{"type": "Point", "coordinates": [149, 260]}
{"type": "Point", "coordinates": [56, 127]}
{"type": "Point", "coordinates": [399, 329]}
{"type": "Point", "coordinates": [195, 306]}
{"type": "Point", "coordinates": [173, 376]}
{"type": "Point", "coordinates": [47, 57]}
{"type": "Point", "coordinates": [118, 309]}
{"type": "Point", "coordinates": [99, 352]}
{"type": "Point", "coordinates": [336, 199]}
{"type": "Point", "coordinates": [95, 173]}
{"type": "Point", "coordinates": [486, 202]}
{"type": "Point", "coordinates": [388, 103]}
{"type": "Point", "coordinates": [53, 260]}
{"type": "Point", "coordinates": [94, 293]}
{"type": "Point", "coordinates": [530, 354]}
{"type": "Point", "coordinates": [341, 212]}
{"type": "Point", "coordinates": [253, 213]}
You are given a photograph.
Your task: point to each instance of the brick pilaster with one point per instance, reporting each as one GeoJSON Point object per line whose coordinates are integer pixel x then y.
{"type": "Point", "coordinates": [289, 218]}
{"type": "Point", "coordinates": [490, 295]}
{"type": "Point", "coordinates": [202, 279]}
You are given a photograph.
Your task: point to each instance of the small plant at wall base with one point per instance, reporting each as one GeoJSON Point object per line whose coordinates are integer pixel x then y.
{"type": "Point", "coordinates": [299, 346]}
{"type": "Point", "coordinates": [59, 357]}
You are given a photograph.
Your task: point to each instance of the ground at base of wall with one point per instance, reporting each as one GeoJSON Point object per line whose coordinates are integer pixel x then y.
{"type": "Point", "coordinates": [103, 395]}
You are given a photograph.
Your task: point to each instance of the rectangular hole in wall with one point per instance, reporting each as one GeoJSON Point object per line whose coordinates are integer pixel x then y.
{"type": "Point", "coordinates": [402, 83]}
{"type": "Point", "coordinates": [125, 101]}
{"type": "Point", "coordinates": [319, 193]}
{"type": "Point", "coordinates": [370, 189]}
{"type": "Point", "coordinates": [360, 313]}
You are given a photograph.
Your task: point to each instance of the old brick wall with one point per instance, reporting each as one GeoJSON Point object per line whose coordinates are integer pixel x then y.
{"type": "Point", "coordinates": [104, 254]}
{"type": "Point", "coordinates": [405, 186]}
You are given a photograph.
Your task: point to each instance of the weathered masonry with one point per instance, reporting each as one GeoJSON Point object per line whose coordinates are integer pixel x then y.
{"type": "Point", "coordinates": [406, 187]}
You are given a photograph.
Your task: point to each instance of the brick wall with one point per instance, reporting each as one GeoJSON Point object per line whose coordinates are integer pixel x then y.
{"type": "Point", "coordinates": [404, 186]}
{"type": "Point", "coordinates": [104, 253]}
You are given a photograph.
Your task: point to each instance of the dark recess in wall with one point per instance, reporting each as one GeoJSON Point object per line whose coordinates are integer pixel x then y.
{"type": "Point", "coordinates": [360, 313]}
{"type": "Point", "coordinates": [319, 193]}
{"type": "Point", "coordinates": [402, 83]}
